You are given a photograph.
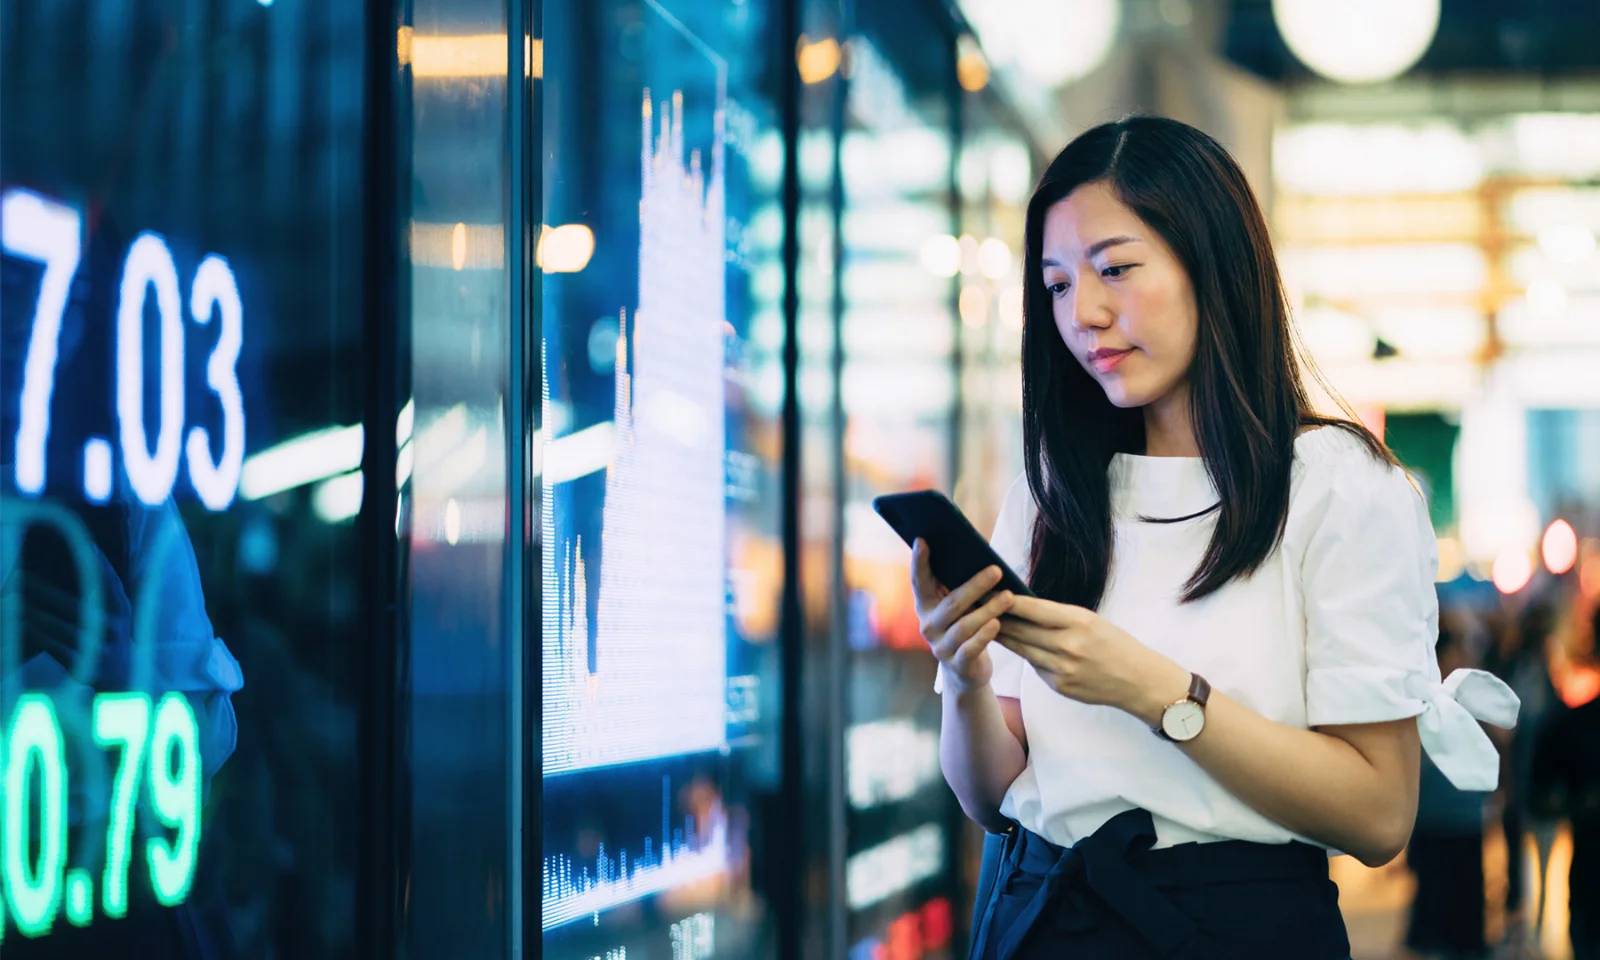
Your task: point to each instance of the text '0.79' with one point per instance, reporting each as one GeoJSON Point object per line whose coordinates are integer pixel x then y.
{"type": "Point", "coordinates": [153, 793]}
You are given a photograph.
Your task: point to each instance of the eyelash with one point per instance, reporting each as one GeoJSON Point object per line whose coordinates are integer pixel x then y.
{"type": "Point", "coordinates": [1122, 267]}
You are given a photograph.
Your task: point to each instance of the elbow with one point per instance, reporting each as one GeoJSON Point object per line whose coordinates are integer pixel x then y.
{"type": "Point", "coordinates": [1378, 854]}
{"type": "Point", "coordinates": [1388, 837]}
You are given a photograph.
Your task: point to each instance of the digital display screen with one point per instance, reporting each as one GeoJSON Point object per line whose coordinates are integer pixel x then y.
{"type": "Point", "coordinates": [661, 546]}
{"type": "Point", "coordinates": [137, 757]}
{"type": "Point", "coordinates": [180, 310]}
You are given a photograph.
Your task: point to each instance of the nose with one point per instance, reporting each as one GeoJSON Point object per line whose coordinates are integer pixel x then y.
{"type": "Point", "coordinates": [1090, 309]}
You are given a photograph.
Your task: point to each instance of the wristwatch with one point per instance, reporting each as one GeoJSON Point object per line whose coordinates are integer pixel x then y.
{"type": "Point", "coordinates": [1183, 720]}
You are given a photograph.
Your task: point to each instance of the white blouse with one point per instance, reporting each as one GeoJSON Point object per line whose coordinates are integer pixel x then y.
{"type": "Point", "coordinates": [1338, 626]}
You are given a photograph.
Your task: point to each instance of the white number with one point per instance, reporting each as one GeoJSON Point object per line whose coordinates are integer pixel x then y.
{"type": "Point", "coordinates": [217, 481]}
{"type": "Point", "coordinates": [47, 232]}
{"type": "Point", "coordinates": [150, 263]}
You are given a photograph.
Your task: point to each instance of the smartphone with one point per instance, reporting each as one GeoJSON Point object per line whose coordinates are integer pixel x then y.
{"type": "Point", "coordinates": [957, 551]}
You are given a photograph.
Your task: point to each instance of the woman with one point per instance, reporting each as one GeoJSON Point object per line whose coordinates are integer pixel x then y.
{"type": "Point", "coordinates": [1185, 517]}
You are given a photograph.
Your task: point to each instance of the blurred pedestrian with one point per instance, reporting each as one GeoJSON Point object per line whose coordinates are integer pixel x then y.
{"type": "Point", "coordinates": [1565, 783]}
{"type": "Point", "coordinates": [1522, 661]}
{"type": "Point", "coordinates": [1446, 851]}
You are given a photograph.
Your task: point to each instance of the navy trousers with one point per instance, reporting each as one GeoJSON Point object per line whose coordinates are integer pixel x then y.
{"type": "Point", "coordinates": [1111, 896]}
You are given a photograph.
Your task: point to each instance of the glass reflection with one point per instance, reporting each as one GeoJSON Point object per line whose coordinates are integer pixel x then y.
{"type": "Point", "coordinates": [657, 452]}
{"type": "Point", "coordinates": [179, 419]}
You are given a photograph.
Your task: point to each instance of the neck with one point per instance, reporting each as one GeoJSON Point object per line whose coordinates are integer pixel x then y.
{"type": "Point", "coordinates": [1167, 428]}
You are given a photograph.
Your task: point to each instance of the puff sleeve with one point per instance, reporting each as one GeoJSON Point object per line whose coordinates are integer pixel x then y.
{"type": "Point", "coordinates": [1372, 620]}
{"type": "Point", "coordinates": [1012, 538]}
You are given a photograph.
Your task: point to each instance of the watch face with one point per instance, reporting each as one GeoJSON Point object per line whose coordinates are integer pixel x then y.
{"type": "Point", "coordinates": [1183, 721]}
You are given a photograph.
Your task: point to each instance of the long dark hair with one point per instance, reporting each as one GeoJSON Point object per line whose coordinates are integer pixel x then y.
{"type": "Point", "coordinates": [1247, 399]}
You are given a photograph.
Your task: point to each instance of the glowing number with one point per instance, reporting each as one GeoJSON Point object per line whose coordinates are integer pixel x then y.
{"type": "Point", "coordinates": [176, 796]}
{"type": "Point", "coordinates": [121, 720]}
{"type": "Point", "coordinates": [217, 482]}
{"type": "Point", "coordinates": [35, 895]}
{"type": "Point", "coordinates": [47, 232]}
{"type": "Point", "coordinates": [149, 263]}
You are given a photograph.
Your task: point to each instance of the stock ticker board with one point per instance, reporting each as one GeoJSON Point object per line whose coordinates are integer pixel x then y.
{"type": "Point", "coordinates": [103, 790]}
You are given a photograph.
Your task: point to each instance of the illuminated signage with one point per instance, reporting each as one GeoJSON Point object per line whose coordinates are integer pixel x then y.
{"type": "Point", "coordinates": [610, 682]}
{"type": "Point", "coordinates": [156, 744]}
{"type": "Point", "coordinates": [910, 936]}
{"type": "Point", "coordinates": [72, 760]}
{"type": "Point", "coordinates": [45, 231]}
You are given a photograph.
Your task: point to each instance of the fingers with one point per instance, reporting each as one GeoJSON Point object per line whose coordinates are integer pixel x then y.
{"type": "Point", "coordinates": [961, 660]}
{"type": "Point", "coordinates": [960, 600]}
{"type": "Point", "coordinates": [1048, 613]}
{"type": "Point", "coordinates": [1026, 633]}
{"type": "Point", "coordinates": [923, 585]}
{"type": "Point", "coordinates": [982, 621]}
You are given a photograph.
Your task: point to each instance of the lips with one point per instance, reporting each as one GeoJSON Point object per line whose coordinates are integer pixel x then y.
{"type": "Point", "coordinates": [1106, 360]}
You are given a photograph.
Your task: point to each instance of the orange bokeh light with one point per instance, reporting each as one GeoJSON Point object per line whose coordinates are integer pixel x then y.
{"type": "Point", "coordinates": [1589, 577]}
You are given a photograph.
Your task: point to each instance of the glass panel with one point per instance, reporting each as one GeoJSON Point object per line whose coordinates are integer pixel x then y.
{"type": "Point", "coordinates": [455, 510]}
{"type": "Point", "coordinates": [995, 175]}
{"type": "Point", "coordinates": [180, 419]}
{"type": "Point", "coordinates": [659, 445]}
{"type": "Point", "coordinates": [900, 404]}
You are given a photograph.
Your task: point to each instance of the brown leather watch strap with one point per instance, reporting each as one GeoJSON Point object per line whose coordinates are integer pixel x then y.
{"type": "Point", "coordinates": [1199, 689]}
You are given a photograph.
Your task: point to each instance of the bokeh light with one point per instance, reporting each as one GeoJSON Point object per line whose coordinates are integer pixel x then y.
{"type": "Point", "coordinates": [1559, 547]}
{"type": "Point", "coordinates": [1358, 41]}
{"type": "Point", "coordinates": [1512, 571]}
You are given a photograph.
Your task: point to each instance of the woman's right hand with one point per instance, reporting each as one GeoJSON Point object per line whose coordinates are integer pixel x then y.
{"type": "Point", "coordinates": [958, 624]}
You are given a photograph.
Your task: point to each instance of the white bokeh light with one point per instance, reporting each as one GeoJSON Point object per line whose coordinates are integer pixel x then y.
{"type": "Point", "coordinates": [1051, 42]}
{"type": "Point", "coordinates": [1357, 41]}
{"type": "Point", "coordinates": [1567, 243]}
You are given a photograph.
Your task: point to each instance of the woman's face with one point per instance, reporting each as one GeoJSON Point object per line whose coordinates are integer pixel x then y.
{"type": "Point", "coordinates": [1122, 301]}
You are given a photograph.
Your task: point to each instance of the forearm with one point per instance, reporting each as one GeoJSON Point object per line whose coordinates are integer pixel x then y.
{"type": "Point", "coordinates": [979, 754]}
{"type": "Point", "coordinates": [1314, 784]}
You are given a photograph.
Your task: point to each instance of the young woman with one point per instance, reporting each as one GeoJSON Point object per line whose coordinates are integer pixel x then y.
{"type": "Point", "coordinates": [1228, 669]}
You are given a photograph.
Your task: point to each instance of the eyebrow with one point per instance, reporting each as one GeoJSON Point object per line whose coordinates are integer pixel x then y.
{"type": "Point", "coordinates": [1095, 249]}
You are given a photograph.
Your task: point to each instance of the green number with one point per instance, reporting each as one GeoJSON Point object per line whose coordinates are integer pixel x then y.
{"type": "Point", "coordinates": [121, 720]}
{"type": "Point", "coordinates": [35, 895]}
{"type": "Point", "coordinates": [80, 898]}
{"type": "Point", "coordinates": [176, 796]}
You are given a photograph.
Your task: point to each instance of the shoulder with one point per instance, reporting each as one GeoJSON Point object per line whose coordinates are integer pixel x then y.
{"type": "Point", "coordinates": [1343, 488]}
{"type": "Point", "coordinates": [1335, 465]}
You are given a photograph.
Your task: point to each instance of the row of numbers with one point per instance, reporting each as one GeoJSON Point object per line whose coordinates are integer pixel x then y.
{"type": "Point", "coordinates": [36, 228]}
{"type": "Point", "coordinates": [163, 738]}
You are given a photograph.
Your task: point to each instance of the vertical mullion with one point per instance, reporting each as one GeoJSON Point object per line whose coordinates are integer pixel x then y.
{"type": "Point", "coordinates": [385, 350]}
{"type": "Point", "coordinates": [517, 95]}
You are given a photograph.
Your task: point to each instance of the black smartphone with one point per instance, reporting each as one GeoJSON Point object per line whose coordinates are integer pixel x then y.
{"type": "Point", "coordinates": [957, 551]}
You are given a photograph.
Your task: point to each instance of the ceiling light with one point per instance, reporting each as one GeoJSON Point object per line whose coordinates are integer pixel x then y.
{"type": "Point", "coordinates": [1051, 42]}
{"type": "Point", "coordinates": [1357, 41]}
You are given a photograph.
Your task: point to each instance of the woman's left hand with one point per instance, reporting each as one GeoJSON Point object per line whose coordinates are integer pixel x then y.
{"type": "Point", "coordinates": [1085, 657]}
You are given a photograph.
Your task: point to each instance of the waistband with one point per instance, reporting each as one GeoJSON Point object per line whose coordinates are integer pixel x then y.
{"type": "Point", "coordinates": [1117, 864]}
{"type": "Point", "coordinates": [1187, 864]}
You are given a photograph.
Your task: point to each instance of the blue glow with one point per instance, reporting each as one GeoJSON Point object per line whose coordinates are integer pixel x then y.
{"type": "Point", "coordinates": [217, 482]}
{"type": "Point", "coordinates": [47, 232]}
{"type": "Point", "coordinates": [151, 475]}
